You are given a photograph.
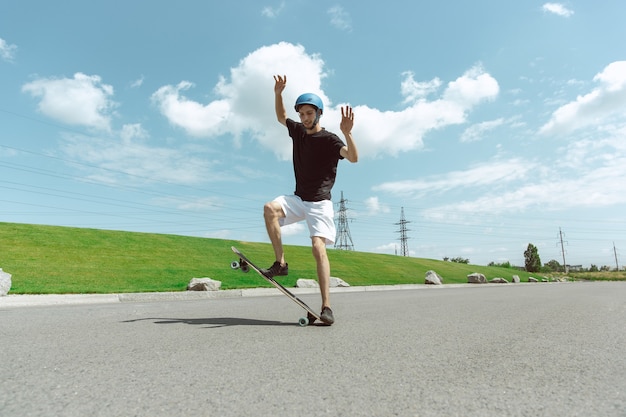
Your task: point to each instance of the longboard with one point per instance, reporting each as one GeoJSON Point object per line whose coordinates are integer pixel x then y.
{"type": "Point", "coordinates": [245, 264]}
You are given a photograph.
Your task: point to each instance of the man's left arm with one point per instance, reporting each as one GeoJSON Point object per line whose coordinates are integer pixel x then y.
{"type": "Point", "coordinates": [349, 151]}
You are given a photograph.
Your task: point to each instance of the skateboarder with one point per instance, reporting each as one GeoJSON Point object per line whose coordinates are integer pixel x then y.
{"type": "Point", "coordinates": [316, 153]}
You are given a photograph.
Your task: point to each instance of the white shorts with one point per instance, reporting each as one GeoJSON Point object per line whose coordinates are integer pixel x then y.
{"type": "Point", "coordinates": [319, 215]}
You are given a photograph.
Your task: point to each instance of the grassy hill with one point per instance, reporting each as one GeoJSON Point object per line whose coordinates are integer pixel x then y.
{"type": "Point", "coordinates": [55, 260]}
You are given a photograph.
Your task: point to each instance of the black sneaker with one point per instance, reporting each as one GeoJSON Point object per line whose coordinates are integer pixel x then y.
{"type": "Point", "coordinates": [276, 269]}
{"type": "Point", "coordinates": [327, 315]}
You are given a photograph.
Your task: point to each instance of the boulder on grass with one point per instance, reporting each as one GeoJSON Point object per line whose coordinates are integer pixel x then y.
{"type": "Point", "coordinates": [312, 283]}
{"type": "Point", "coordinates": [433, 278]}
{"type": "Point", "coordinates": [306, 283]}
{"type": "Point", "coordinates": [338, 282]}
{"type": "Point", "coordinates": [203, 284]}
{"type": "Point", "coordinates": [476, 278]}
{"type": "Point", "coordinates": [5, 283]}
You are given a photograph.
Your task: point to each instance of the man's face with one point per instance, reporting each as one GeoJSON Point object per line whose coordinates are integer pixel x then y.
{"type": "Point", "coordinates": [307, 114]}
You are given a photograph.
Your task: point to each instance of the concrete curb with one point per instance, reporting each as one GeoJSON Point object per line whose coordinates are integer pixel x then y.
{"type": "Point", "coordinates": [15, 300]}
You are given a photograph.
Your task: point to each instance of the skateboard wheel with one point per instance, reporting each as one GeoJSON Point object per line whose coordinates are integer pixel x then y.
{"type": "Point", "coordinates": [303, 321]}
{"type": "Point", "coordinates": [234, 265]}
{"type": "Point", "coordinates": [245, 268]}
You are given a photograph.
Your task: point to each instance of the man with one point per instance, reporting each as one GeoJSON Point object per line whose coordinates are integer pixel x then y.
{"type": "Point", "coordinates": [316, 153]}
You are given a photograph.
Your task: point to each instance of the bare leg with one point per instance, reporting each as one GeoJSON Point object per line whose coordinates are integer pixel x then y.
{"type": "Point", "coordinates": [272, 212]}
{"type": "Point", "coordinates": [323, 268]}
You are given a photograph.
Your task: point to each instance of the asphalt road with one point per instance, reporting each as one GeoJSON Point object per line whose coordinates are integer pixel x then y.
{"type": "Point", "coordinates": [509, 350]}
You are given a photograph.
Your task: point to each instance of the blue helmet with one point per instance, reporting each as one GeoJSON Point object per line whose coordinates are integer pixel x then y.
{"type": "Point", "coordinates": [309, 98]}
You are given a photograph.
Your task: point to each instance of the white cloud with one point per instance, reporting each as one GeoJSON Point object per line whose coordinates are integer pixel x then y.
{"type": "Point", "coordinates": [490, 174]}
{"type": "Point", "coordinates": [414, 91]}
{"type": "Point", "coordinates": [125, 161]}
{"type": "Point", "coordinates": [7, 51]}
{"type": "Point", "coordinates": [391, 132]}
{"type": "Point", "coordinates": [199, 204]}
{"type": "Point", "coordinates": [475, 132]}
{"type": "Point", "coordinates": [374, 206]}
{"type": "Point", "coordinates": [339, 18]}
{"type": "Point", "coordinates": [219, 234]}
{"type": "Point", "coordinates": [549, 194]}
{"type": "Point", "coordinates": [293, 229]}
{"type": "Point", "coordinates": [137, 83]}
{"type": "Point", "coordinates": [613, 77]}
{"type": "Point", "coordinates": [197, 119]}
{"type": "Point", "coordinates": [393, 248]}
{"type": "Point", "coordinates": [245, 103]}
{"type": "Point", "coordinates": [273, 12]}
{"type": "Point", "coordinates": [83, 100]}
{"type": "Point", "coordinates": [589, 173]}
{"type": "Point", "coordinates": [472, 88]}
{"type": "Point", "coordinates": [133, 131]}
{"type": "Point", "coordinates": [606, 101]}
{"type": "Point", "coordinates": [558, 9]}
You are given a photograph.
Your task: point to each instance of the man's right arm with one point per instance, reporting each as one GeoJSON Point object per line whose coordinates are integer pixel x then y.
{"type": "Point", "coordinates": [279, 86]}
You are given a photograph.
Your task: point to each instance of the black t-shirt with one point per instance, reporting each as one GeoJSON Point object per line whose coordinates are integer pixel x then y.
{"type": "Point", "coordinates": [315, 159]}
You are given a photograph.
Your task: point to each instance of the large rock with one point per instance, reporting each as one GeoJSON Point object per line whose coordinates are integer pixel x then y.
{"type": "Point", "coordinates": [476, 278]}
{"type": "Point", "coordinates": [338, 282]}
{"type": "Point", "coordinates": [5, 283]}
{"type": "Point", "coordinates": [203, 284]}
{"type": "Point", "coordinates": [306, 283]}
{"type": "Point", "coordinates": [499, 280]}
{"type": "Point", "coordinates": [311, 283]}
{"type": "Point", "coordinates": [433, 278]}
{"type": "Point", "coordinates": [516, 279]}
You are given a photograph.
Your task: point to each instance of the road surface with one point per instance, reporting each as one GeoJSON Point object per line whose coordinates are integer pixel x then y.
{"type": "Point", "coordinates": [509, 350]}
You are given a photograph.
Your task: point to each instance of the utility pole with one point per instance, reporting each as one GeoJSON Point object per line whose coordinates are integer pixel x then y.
{"type": "Point", "coordinates": [343, 240]}
{"type": "Point", "coordinates": [562, 251]}
{"type": "Point", "coordinates": [615, 253]}
{"type": "Point", "coordinates": [404, 247]}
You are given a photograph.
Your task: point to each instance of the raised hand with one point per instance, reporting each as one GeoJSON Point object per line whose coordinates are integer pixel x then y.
{"type": "Point", "coordinates": [347, 120]}
{"type": "Point", "coordinates": [281, 82]}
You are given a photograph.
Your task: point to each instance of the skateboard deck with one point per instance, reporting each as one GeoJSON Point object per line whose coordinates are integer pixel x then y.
{"type": "Point", "coordinates": [245, 264]}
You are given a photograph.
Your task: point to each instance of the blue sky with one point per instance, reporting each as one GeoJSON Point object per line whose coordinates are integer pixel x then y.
{"type": "Point", "coordinates": [493, 124]}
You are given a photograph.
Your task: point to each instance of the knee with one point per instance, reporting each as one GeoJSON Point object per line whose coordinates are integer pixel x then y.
{"type": "Point", "coordinates": [268, 211]}
{"type": "Point", "coordinates": [319, 247]}
{"type": "Point", "coordinates": [271, 211]}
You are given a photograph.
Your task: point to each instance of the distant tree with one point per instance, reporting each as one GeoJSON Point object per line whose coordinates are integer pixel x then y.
{"type": "Point", "coordinates": [446, 259]}
{"type": "Point", "coordinates": [593, 268]}
{"type": "Point", "coordinates": [460, 260]}
{"type": "Point", "coordinates": [553, 266]}
{"type": "Point", "coordinates": [532, 262]}
{"type": "Point", "coordinates": [506, 264]}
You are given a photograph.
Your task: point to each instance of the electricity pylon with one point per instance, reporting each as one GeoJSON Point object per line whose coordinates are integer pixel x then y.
{"type": "Point", "coordinates": [404, 247]}
{"type": "Point", "coordinates": [343, 240]}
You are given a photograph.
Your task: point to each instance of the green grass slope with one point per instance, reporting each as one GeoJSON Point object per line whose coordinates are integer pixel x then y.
{"type": "Point", "coordinates": [57, 260]}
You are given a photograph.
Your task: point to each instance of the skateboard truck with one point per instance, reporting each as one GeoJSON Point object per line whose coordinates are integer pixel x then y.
{"type": "Point", "coordinates": [243, 265]}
